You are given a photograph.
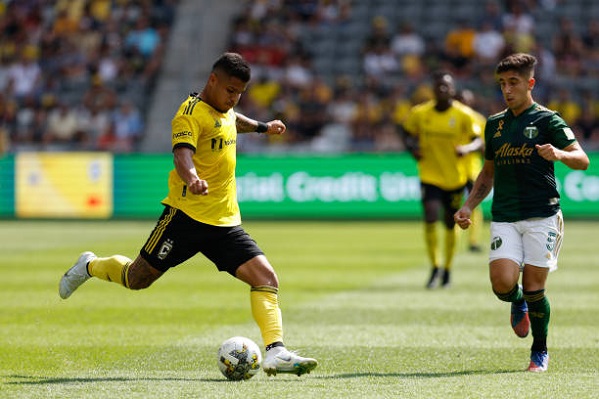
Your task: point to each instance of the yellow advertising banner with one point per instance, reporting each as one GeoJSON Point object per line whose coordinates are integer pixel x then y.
{"type": "Point", "coordinates": [64, 185]}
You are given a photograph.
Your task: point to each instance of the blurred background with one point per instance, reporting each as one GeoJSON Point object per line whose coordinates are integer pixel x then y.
{"type": "Point", "coordinates": [106, 76]}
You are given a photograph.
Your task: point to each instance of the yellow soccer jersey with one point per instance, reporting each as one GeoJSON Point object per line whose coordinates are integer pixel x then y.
{"type": "Point", "coordinates": [474, 160]}
{"type": "Point", "coordinates": [213, 136]}
{"type": "Point", "coordinates": [438, 134]}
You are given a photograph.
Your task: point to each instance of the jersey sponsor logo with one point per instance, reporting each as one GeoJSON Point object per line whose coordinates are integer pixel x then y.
{"type": "Point", "coordinates": [184, 133]}
{"type": "Point", "coordinates": [218, 144]}
{"type": "Point", "coordinates": [507, 150]}
{"type": "Point", "coordinates": [531, 132]}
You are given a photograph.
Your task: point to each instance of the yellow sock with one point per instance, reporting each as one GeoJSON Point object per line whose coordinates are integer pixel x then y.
{"type": "Point", "coordinates": [450, 246]}
{"type": "Point", "coordinates": [266, 312]}
{"type": "Point", "coordinates": [475, 228]}
{"type": "Point", "coordinates": [430, 238]}
{"type": "Point", "coordinates": [112, 269]}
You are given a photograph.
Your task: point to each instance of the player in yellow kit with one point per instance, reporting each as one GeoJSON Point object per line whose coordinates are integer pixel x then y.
{"type": "Point", "coordinates": [201, 213]}
{"type": "Point", "coordinates": [438, 132]}
{"type": "Point", "coordinates": [474, 164]}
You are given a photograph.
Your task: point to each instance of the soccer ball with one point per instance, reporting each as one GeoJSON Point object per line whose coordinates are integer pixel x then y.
{"type": "Point", "coordinates": [239, 358]}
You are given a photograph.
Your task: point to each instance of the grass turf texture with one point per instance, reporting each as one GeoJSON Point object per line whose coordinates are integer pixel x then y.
{"type": "Point", "coordinates": [352, 295]}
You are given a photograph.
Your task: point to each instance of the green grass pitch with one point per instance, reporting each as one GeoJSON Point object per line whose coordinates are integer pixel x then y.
{"type": "Point", "coordinates": [352, 295]}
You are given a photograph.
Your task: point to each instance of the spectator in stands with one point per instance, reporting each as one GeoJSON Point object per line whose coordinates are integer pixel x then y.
{"type": "Point", "coordinates": [492, 15]}
{"type": "Point", "coordinates": [568, 48]}
{"type": "Point", "coordinates": [567, 107]}
{"type": "Point", "coordinates": [488, 44]}
{"type": "Point", "coordinates": [126, 128]}
{"type": "Point", "coordinates": [459, 46]}
{"type": "Point", "coordinates": [407, 41]}
{"type": "Point", "coordinates": [62, 129]}
{"type": "Point", "coordinates": [94, 123]}
{"type": "Point", "coordinates": [380, 63]}
{"type": "Point", "coordinates": [99, 95]}
{"type": "Point", "coordinates": [25, 75]}
{"type": "Point", "coordinates": [518, 29]}
{"type": "Point", "coordinates": [379, 35]}
{"type": "Point", "coordinates": [408, 46]}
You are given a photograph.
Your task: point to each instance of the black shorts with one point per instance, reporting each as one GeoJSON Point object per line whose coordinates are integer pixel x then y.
{"type": "Point", "coordinates": [177, 237]}
{"type": "Point", "coordinates": [451, 199]}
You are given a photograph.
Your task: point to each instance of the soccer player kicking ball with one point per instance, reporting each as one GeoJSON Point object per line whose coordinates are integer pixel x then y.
{"type": "Point", "coordinates": [202, 214]}
{"type": "Point", "coordinates": [521, 145]}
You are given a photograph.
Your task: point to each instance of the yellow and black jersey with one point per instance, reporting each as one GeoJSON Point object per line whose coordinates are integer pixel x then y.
{"type": "Point", "coordinates": [213, 137]}
{"type": "Point", "coordinates": [439, 133]}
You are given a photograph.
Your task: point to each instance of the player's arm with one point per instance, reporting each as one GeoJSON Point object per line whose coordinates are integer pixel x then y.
{"type": "Point", "coordinates": [248, 125]}
{"type": "Point", "coordinates": [183, 159]}
{"type": "Point", "coordinates": [573, 156]}
{"type": "Point", "coordinates": [482, 187]}
{"type": "Point", "coordinates": [410, 141]}
{"type": "Point", "coordinates": [475, 145]}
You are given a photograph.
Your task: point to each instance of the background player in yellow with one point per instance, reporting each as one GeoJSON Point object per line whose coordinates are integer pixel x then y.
{"type": "Point", "coordinates": [474, 163]}
{"type": "Point", "coordinates": [201, 213]}
{"type": "Point", "coordinates": [437, 132]}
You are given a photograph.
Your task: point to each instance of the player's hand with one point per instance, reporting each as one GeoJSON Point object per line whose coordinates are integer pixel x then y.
{"type": "Point", "coordinates": [462, 217]}
{"type": "Point", "coordinates": [198, 187]}
{"type": "Point", "coordinates": [276, 127]}
{"type": "Point", "coordinates": [548, 152]}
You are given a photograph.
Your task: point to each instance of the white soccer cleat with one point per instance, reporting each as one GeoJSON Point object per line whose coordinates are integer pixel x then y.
{"type": "Point", "coordinates": [75, 276]}
{"type": "Point", "coordinates": [280, 360]}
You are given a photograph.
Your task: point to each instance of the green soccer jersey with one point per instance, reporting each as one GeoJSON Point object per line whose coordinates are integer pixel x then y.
{"type": "Point", "coordinates": [524, 184]}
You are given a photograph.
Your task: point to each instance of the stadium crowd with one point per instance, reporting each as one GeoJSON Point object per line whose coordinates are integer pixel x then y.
{"type": "Point", "coordinates": [77, 74]}
{"type": "Point", "coordinates": [359, 110]}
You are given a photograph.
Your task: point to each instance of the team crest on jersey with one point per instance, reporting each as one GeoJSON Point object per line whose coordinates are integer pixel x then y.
{"type": "Point", "coordinates": [531, 132]}
{"type": "Point", "coordinates": [165, 248]}
{"type": "Point", "coordinates": [496, 243]}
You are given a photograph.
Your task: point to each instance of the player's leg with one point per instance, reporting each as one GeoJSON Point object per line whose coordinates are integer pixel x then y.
{"type": "Point", "coordinates": [431, 205]}
{"type": "Point", "coordinates": [542, 243]}
{"type": "Point", "coordinates": [234, 251]}
{"type": "Point", "coordinates": [505, 259]}
{"type": "Point", "coordinates": [452, 201]}
{"type": "Point", "coordinates": [533, 280]}
{"type": "Point", "coordinates": [261, 277]}
{"type": "Point", "coordinates": [156, 256]}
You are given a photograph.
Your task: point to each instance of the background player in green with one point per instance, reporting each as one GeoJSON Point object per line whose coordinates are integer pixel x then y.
{"type": "Point", "coordinates": [202, 214]}
{"type": "Point", "coordinates": [521, 145]}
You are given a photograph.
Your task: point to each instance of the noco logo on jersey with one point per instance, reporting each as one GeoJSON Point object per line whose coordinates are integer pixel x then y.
{"type": "Point", "coordinates": [184, 133]}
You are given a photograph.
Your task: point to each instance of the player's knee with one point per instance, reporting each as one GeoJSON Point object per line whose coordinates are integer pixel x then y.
{"type": "Point", "coordinates": [141, 275]}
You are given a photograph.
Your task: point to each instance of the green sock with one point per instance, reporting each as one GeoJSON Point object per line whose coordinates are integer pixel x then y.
{"type": "Point", "coordinates": [539, 312]}
{"type": "Point", "coordinates": [515, 295]}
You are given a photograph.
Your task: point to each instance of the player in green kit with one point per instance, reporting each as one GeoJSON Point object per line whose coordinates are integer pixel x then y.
{"type": "Point", "coordinates": [521, 145]}
{"type": "Point", "coordinates": [201, 213]}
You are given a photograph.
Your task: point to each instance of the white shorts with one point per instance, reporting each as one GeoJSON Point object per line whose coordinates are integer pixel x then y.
{"type": "Point", "coordinates": [535, 241]}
